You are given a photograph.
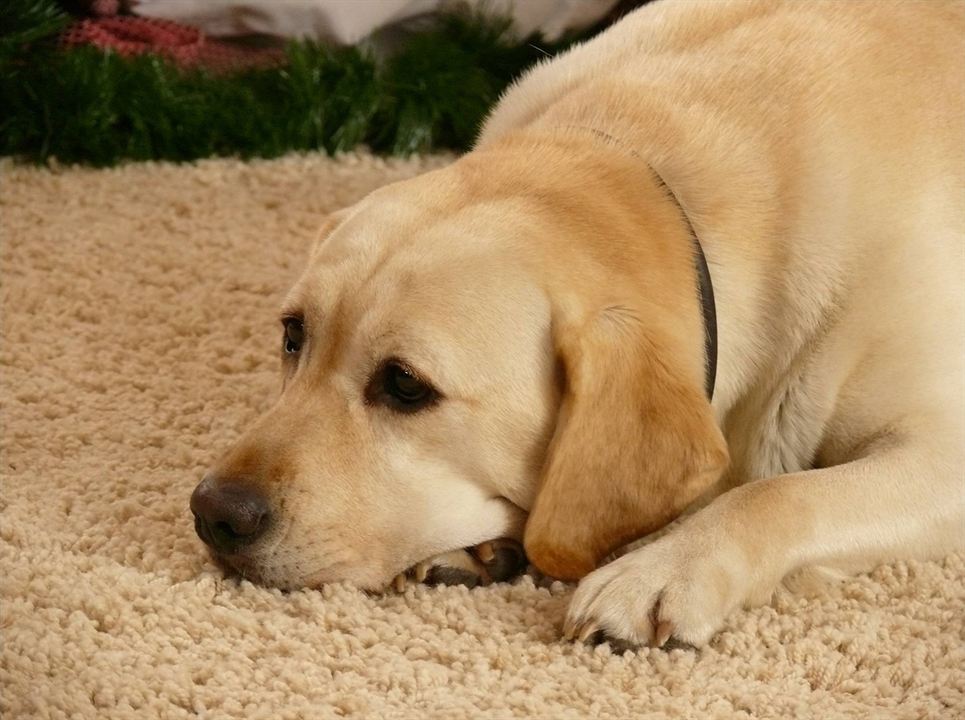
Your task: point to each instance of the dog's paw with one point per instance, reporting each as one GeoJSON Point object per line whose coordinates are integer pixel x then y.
{"type": "Point", "coordinates": [502, 559]}
{"type": "Point", "coordinates": [488, 562]}
{"type": "Point", "coordinates": [670, 593]}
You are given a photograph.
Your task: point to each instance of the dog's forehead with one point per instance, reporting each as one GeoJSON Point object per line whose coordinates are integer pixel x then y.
{"type": "Point", "coordinates": [414, 284]}
{"type": "Point", "coordinates": [409, 241]}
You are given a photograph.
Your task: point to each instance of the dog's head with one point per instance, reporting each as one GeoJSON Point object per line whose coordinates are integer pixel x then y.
{"type": "Point", "coordinates": [492, 346]}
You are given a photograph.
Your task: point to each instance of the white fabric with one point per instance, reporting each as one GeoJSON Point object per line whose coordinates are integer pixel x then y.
{"type": "Point", "coordinates": [347, 22]}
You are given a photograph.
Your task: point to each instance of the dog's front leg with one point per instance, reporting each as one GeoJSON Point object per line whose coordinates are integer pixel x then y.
{"type": "Point", "coordinates": [734, 552]}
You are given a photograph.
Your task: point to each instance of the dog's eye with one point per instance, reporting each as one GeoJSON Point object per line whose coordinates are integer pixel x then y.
{"type": "Point", "coordinates": [404, 386]}
{"type": "Point", "coordinates": [294, 335]}
{"type": "Point", "coordinates": [401, 389]}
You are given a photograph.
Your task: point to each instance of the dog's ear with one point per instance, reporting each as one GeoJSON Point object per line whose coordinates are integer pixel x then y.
{"type": "Point", "coordinates": [331, 222]}
{"type": "Point", "coordinates": [635, 441]}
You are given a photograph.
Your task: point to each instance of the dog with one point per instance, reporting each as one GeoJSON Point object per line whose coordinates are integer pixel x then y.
{"type": "Point", "coordinates": [705, 269]}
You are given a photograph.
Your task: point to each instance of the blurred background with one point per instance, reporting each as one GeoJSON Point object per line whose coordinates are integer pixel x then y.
{"type": "Point", "coordinates": [102, 81]}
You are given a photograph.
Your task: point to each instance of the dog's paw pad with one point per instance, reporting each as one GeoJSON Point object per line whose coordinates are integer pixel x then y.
{"type": "Point", "coordinates": [444, 575]}
{"type": "Point", "coordinates": [458, 567]}
{"type": "Point", "coordinates": [486, 563]}
{"type": "Point", "coordinates": [503, 559]}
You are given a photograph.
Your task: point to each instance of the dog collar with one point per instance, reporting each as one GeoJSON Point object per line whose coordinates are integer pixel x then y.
{"type": "Point", "coordinates": [705, 288]}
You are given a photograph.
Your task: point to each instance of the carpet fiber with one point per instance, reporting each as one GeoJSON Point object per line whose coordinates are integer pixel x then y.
{"type": "Point", "coordinates": [140, 336]}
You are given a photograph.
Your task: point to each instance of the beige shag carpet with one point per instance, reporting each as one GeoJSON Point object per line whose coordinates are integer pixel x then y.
{"type": "Point", "coordinates": [140, 335]}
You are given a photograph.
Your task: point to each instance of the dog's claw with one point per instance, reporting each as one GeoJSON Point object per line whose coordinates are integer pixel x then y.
{"type": "Point", "coordinates": [485, 552]}
{"type": "Point", "coordinates": [503, 559]}
{"type": "Point", "coordinates": [569, 629]}
{"type": "Point", "coordinates": [662, 633]}
{"type": "Point", "coordinates": [421, 571]}
{"type": "Point", "coordinates": [588, 631]}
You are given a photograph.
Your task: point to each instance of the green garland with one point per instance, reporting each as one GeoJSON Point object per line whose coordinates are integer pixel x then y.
{"type": "Point", "coordinates": [87, 106]}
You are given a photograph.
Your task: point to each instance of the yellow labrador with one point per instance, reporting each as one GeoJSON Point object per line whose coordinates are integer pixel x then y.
{"type": "Point", "coordinates": [525, 343]}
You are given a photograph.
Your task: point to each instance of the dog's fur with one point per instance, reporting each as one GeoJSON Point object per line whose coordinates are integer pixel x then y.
{"type": "Point", "coordinates": [545, 285]}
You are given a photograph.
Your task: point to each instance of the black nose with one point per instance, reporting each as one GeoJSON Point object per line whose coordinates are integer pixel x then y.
{"type": "Point", "coordinates": [227, 515]}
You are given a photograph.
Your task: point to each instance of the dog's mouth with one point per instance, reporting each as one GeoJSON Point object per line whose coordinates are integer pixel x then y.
{"type": "Point", "coordinates": [499, 560]}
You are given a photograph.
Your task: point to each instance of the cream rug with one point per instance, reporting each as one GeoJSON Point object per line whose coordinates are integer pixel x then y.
{"type": "Point", "coordinates": [140, 335]}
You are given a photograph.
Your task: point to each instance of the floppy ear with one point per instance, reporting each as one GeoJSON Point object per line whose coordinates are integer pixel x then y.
{"type": "Point", "coordinates": [332, 221]}
{"type": "Point", "coordinates": [635, 442]}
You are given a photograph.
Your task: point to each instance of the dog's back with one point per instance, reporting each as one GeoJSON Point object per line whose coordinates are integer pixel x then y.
{"type": "Point", "coordinates": [764, 63]}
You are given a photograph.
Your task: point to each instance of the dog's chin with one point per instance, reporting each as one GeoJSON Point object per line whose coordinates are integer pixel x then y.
{"type": "Point", "coordinates": [241, 567]}
{"type": "Point", "coordinates": [507, 560]}
{"type": "Point", "coordinates": [288, 578]}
